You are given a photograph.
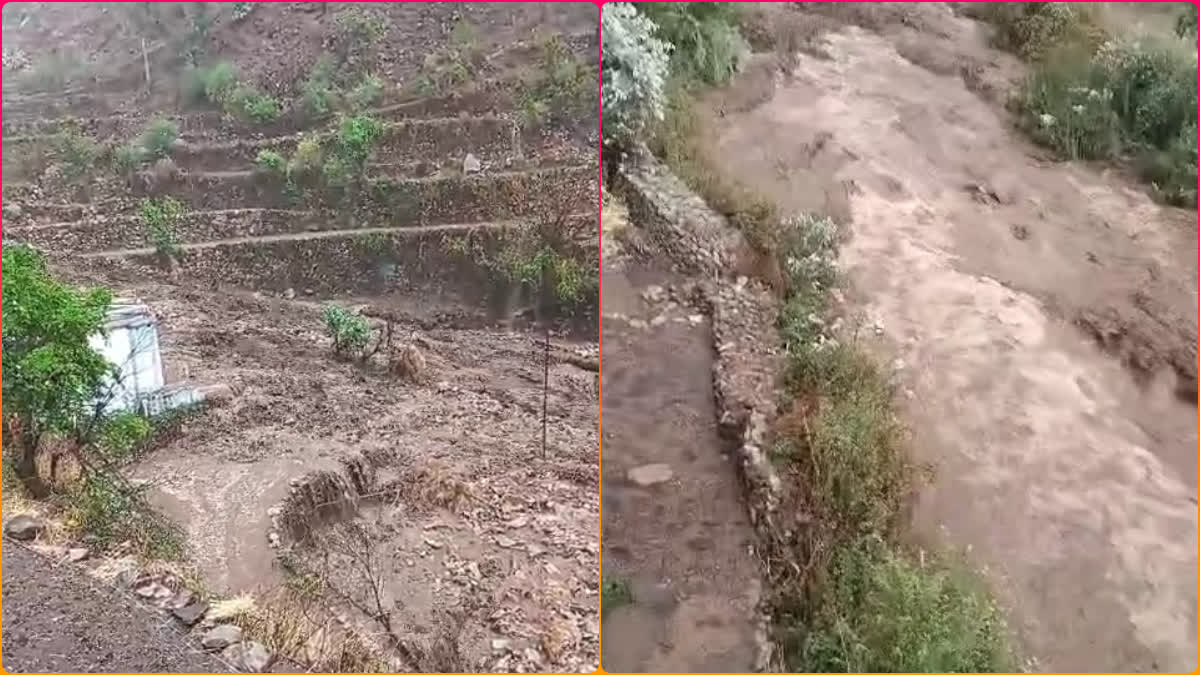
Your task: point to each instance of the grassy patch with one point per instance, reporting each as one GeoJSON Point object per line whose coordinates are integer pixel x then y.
{"type": "Point", "coordinates": [560, 280]}
{"type": "Point", "coordinates": [884, 613]}
{"type": "Point", "coordinates": [678, 140]}
{"type": "Point", "coordinates": [111, 512]}
{"type": "Point", "coordinates": [1035, 29]}
{"type": "Point", "coordinates": [846, 599]}
{"type": "Point", "coordinates": [455, 65]}
{"type": "Point", "coordinates": [614, 593]}
{"type": "Point", "coordinates": [271, 162]}
{"type": "Point", "coordinates": [1092, 96]}
{"type": "Point", "coordinates": [76, 153]}
{"type": "Point", "coordinates": [156, 141]}
{"type": "Point", "coordinates": [561, 88]}
{"type": "Point", "coordinates": [53, 72]}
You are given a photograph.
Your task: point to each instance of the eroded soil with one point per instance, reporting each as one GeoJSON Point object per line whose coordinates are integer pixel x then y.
{"type": "Point", "coordinates": [519, 551]}
{"type": "Point", "coordinates": [1039, 315]}
{"type": "Point", "coordinates": [49, 614]}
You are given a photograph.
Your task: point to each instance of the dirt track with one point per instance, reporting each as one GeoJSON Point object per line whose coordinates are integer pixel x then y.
{"type": "Point", "coordinates": [58, 621]}
{"type": "Point", "coordinates": [683, 544]}
{"type": "Point", "coordinates": [1068, 477]}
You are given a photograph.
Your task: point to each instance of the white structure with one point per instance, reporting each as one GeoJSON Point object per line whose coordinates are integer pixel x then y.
{"type": "Point", "coordinates": [130, 343]}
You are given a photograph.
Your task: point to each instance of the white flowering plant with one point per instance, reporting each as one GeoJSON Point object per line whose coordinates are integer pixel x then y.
{"type": "Point", "coordinates": [634, 69]}
{"type": "Point", "coordinates": [808, 252]}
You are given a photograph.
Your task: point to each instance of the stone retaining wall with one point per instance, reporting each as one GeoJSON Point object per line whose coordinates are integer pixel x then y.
{"type": "Point", "coordinates": [747, 354]}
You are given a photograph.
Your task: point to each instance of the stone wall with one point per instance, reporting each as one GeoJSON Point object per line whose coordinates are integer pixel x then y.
{"type": "Point", "coordinates": [492, 138]}
{"type": "Point", "coordinates": [696, 239]}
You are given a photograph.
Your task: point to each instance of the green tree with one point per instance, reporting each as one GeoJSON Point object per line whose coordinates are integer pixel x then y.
{"type": "Point", "coordinates": [1185, 23]}
{"type": "Point", "coordinates": [51, 374]}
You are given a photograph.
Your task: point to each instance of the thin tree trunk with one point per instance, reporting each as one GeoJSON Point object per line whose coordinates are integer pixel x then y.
{"type": "Point", "coordinates": [26, 466]}
{"type": "Point", "coordinates": [146, 63]}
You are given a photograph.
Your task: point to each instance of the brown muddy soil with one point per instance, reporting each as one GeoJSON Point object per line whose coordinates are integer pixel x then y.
{"type": "Point", "coordinates": [523, 543]}
{"type": "Point", "coordinates": [1065, 458]}
{"type": "Point", "coordinates": [58, 620]}
{"type": "Point", "coordinates": [683, 545]}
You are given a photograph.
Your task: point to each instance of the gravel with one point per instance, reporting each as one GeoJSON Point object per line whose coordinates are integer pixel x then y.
{"type": "Point", "coordinates": [58, 620]}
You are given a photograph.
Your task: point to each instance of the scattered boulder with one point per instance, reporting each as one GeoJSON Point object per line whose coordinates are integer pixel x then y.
{"type": "Point", "coordinates": [77, 554]}
{"type": "Point", "coordinates": [24, 527]}
{"type": "Point", "coordinates": [248, 657]}
{"type": "Point", "coordinates": [409, 363]}
{"type": "Point", "coordinates": [13, 212]}
{"type": "Point", "coordinates": [152, 590]}
{"type": "Point", "coordinates": [472, 164]}
{"type": "Point", "coordinates": [654, 294]}
{"type": "Point", "coordinates": [221, 637]}
{"type": "Point", "coordinates": [651, 474]}
{"type": "Point", "coordinates": [190, 614]}
{"type": "Point", "coordinates": [183, 598]}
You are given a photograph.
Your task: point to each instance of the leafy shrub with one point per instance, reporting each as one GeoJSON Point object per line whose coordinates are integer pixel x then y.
{"type": "Point", "coordinates": [563, 86]}
{"type": "Point", "coordinates": [77, 152]}
{"type": "Point", "coordinates": [214, 84]}
{"type": "Point", "coordinates": [319, 94]}
{"type": "Point", "coordinates": [1069, 108]}
{"type": "Point", "coordinates": [356, 137]}
{"type": "Point", "coordinates": [111, 511]}
{"type": "Point", "coordinates": [358, 30]}
{"type": "Point", "coordinates": [884, 613]}
{"type": "Point", "coordinates": [128, 158]}
{"type": "Point", "coordinates": [1185, 24]}
{"type": "Point", "coordinates": [1153, 85]}
{"type": "Point", "coordinates": [251, 104]}
{"type": "Point", "coordinates": [1134, 97]}
{"type": "Point", "coordinates": [306, 160]}
{"type": "Point", "coordinates": [337, 173]}
{"type": "Point", "coordinates": [633, 71]}
{"type": "Point", "coordinates": [706, 44]}
{"type": "Point", "coordinates": [350, 332]}
{"type": "Point", "coordinates": [121, 434]}
{"type": "Point", "coordinates": [614, 593]}
{"type": "Point", "coordinates": [161, 218]}
{"type": "Point", "coordinates": [157, 139]}
{"type": "Point", "coordinates": [357, 25]}
{"type": "Point", "coordinates": [548, 273]}
{"type": "Point", "coordinates": [1172, 171]}
{"type": "Point", "coordinates": [1033, 29]}
{"type": "Point", "coordinates": [365, 93]}
{"type": "Point", "coordinates": [271, 161]}
{"type": "Point", "coordinates": [241, 10]}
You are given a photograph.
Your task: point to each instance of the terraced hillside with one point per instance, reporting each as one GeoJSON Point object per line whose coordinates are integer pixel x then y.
{"type": "Point", "coordinates": [432, 167]}
{"type": "Point", "coordinates": [459, 167]}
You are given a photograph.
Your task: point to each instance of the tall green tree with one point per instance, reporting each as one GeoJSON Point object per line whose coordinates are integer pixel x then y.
{"type": "Point", "coordinates": [51, 374]}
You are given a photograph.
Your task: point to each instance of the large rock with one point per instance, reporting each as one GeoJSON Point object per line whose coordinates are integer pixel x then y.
{"type": "Point", "coordinates": [650, 474]}
{"type": "Point", "coordinates": [24, 527]}
{"type": "Point", "coordinates": [248, 657]}
{"type": "Point", "coordinates": [189, 614]}
{"type": "Point", "coordinates": [221, 637]}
